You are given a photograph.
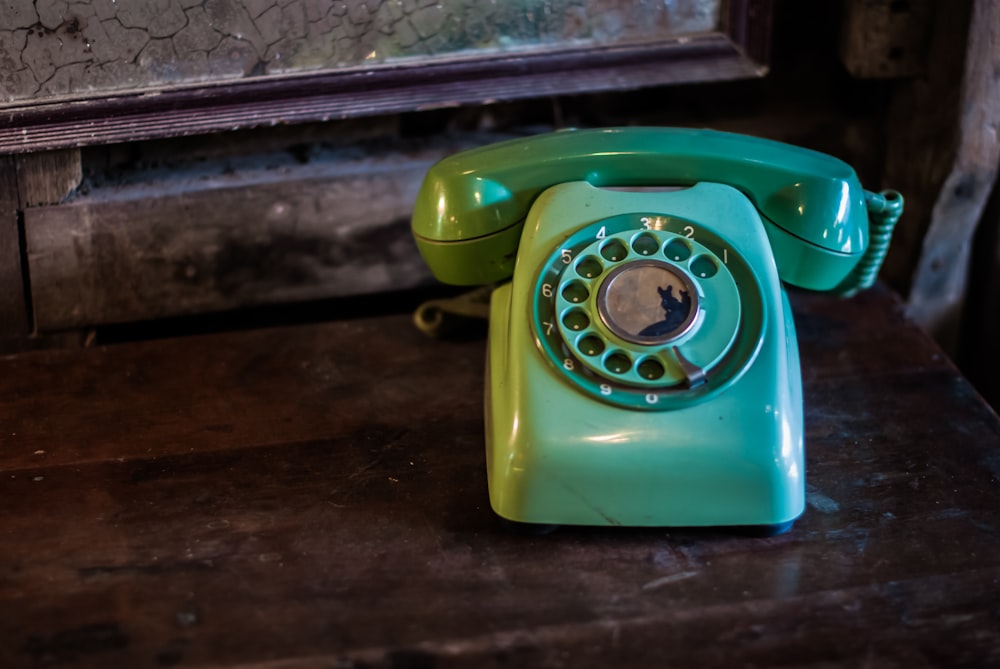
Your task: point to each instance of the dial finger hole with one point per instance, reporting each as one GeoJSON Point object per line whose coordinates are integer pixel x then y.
{"type": "Point", "coordinates": [614, 250]}
{"type": "Point", "coordinates": [650, 369]}
{"type": "Point", "coordinates": [677, 250]}
{"type": "Point", "coordinates": [576, 319]}
{"type": "Point", "coordinates": [576, 292]}
{"type": "Point", "coordinates": [704, 267]}
{"type": "Point", "coordinates": [589, 267]}
{"type": "Point", "coordinates": [591, 345]}
{"type": "Point", "coordinates": [645, 244]}
{"type": "Point", "coordinates": [618, 362]}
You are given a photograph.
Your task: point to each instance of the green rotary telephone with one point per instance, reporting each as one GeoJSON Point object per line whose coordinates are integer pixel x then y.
{"type": "Point", "coordinates": [643, 367]}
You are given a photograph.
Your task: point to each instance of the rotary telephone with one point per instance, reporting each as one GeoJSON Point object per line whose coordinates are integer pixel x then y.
{"type": "Point", "coordinates": [642, 361]}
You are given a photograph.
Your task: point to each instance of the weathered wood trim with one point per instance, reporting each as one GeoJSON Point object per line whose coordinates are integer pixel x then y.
{"type": "Point", "coordinates": [939, 284]}
{"type": "Point", "coordinates": [391, 89]}
{"type": "Point", "coordinates": [205, 242]}
{"type": "Point", "coordinates": [921, 138]}
{"type": "Point", "coordinates": [979, 355]}
{"type": "Point", "coordinates": [748, 25]}
{"type": "Point", "coordinates": [47, 177]}
{"type": "Point", "coordinates": [14, 321]}
{"type": "Point", "coordinates": [885, 38]}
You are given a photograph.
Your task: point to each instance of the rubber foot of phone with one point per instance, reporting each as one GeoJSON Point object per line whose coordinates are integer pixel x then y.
{"type": "Point", "coordinates": [532, 529]}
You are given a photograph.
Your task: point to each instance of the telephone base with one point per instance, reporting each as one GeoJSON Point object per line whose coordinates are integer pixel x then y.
{"type": "Point", "coordinates": [576, 435]}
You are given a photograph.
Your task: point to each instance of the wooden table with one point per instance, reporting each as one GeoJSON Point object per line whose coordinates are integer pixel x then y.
{"type": "Point", "coordinates": [315, 496]}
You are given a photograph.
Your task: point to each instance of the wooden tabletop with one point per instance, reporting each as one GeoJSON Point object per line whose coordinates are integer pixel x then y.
{"type": "Point", "coordinates": [315, 496]}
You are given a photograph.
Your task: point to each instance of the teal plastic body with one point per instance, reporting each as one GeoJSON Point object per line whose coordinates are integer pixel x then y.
{"type": "Point", "coordinates": [726, 452]}
{"type": "Point", "coordinates": [471, 208]}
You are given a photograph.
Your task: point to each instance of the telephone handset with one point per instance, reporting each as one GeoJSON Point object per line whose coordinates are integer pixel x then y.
{"type": "Point", "coordinates": [643, 365]}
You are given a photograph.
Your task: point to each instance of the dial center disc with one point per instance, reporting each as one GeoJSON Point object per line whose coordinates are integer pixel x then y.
{"type": "Point", "coordinates": [647, 302]}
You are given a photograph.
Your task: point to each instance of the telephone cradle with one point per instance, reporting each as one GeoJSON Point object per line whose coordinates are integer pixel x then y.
{"type": "Point", "coordinates": [642, 363]}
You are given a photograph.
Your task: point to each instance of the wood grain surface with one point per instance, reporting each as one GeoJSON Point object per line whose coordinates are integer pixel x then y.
{"type": "Point", "coordinates": [315, 496]}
